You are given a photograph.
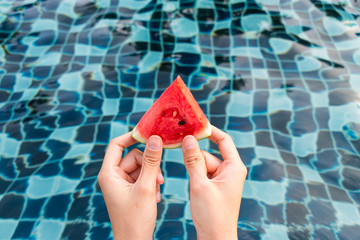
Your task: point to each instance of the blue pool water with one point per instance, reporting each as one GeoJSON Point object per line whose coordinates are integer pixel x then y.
{"type": "Point", "coordinates": [281, 77]}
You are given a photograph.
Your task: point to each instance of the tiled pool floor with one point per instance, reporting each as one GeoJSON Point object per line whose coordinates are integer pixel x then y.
{"type": "Point", "coordinates": [282, 77]}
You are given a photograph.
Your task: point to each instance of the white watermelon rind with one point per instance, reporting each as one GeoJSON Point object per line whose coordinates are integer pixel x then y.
{"type": "Point", "coordinates": [203, 134]}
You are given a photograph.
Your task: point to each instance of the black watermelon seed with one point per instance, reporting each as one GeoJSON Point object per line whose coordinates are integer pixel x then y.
{"type": "Point", "coordinates": [182, 122]}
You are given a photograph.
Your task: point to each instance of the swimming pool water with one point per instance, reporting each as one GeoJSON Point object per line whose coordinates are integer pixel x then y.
{"type": "Point", "coordinates": [281, 77]}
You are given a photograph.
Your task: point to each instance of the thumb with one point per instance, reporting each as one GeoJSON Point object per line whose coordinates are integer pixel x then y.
{"type": "Point", "coordinates": [193, 158]}
{"type": "Point", "coordinates": [151, 161]}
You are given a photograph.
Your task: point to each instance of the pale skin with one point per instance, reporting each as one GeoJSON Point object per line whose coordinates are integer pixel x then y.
{"type": "Point", "coordinates": [130, 186]}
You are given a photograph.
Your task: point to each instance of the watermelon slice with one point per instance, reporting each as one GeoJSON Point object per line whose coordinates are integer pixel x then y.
{"type": "Point", "coordinates": [174, 115]}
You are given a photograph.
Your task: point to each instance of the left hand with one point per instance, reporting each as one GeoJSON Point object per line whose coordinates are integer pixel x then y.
{"type": "Point", "coordinates": [131, 186]}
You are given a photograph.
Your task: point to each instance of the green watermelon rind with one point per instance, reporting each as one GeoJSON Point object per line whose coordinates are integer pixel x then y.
{"type": "Point", "coordinates": [201, 135]}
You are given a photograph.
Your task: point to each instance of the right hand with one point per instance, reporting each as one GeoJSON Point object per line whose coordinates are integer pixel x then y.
{"type": "Point", "coordinates": [215, 186]}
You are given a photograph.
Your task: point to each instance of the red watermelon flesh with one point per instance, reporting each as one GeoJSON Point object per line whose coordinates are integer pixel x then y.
{"type": "Point", "coordinates": [174, 115]}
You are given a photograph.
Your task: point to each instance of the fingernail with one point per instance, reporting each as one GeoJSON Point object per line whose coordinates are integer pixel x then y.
{"type": "Point", "coordinates": [155, 143]}
{"type": "Point", "coordinates": [158, 196]}
{"type": "Point", "coordinates": [160, 176]}
{"type": "Point", "coordinates": [189, 142]}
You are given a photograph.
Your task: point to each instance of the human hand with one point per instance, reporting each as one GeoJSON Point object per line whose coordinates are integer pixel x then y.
{"type": "Point", "coordinates": [130, 186]}
{"type": "Point", "coordinates": [215, 186]}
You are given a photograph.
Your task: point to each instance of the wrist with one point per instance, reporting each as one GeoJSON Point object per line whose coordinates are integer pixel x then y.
{"type": "Point", "coordinates": [220, 235]}
{"type": "Point", "coordinates": [131, 235]}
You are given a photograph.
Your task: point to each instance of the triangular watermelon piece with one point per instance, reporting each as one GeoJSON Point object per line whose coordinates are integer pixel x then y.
{"type": "Point", "coordinates": [174, 115]}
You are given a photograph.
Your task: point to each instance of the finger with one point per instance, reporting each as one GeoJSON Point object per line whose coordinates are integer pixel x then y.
{"type": "Point", "coordinates": [115, 149]}
{"type": "Point", "coordinates": [158, 195]}
{"type": "Point", "coordinates": [151, 162]}
{"type": "Point", "coordinates": [212, 162]}
{"type": "Point", "coordinates": [135, 175]}
{"type": "Point", "coordinates": [226, 144]}
{"type": "Point", "coordinates": [131, 164]}
{"type": "Point", "coordinates": [131, 161]}
{"type": "Point", "coordinates": [193, 159]}
{"type": "Point", "coordinates": [160, 178]}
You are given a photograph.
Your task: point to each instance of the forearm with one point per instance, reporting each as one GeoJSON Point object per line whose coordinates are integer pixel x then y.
{"type": "Point", "coordinates": [120, 234]}
{"type": "Point", "coordinates": [231, 235]}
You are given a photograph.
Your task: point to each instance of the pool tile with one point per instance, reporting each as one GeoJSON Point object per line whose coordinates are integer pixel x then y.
{"type": "Point", "coordinates": [175, 170]}
{"type": "Point", "coordinates": [19, 186]}
{"type": "Point", "coordinates": [190, 231]}
{"type": "Point", "coordinates": [263, 138]}
{"type": "Point", "coordinates": [99, 210]}
{"type": "Point", "coordinates": [75, 230]}
{"type": "Point", "coordinates": [351, 178]}
{"type": "Point", "coordinates": [268, 170]}
{"type": "Point", "coordinates": [251, 211]}
{"type": "Point", "coordinates": [322, 212]}
{"type": "Point", "coordinates": [296, 214]}
{"type": "Point", "coordinates": [7, 170]}
{"type": "Point", "coordinates": [338, 194]}
{"type": "Point", "coordinates": [296, 191]}
{"type": "Point", "coordinates": [175, 211]}
{"type": "Point", "coordinates": [346, 213]}
{"type": "Point", "coordinates": [100, 232]}
{"type": "Point", "coordinates": [11, 211]}
{"type": "Point", "coordinates": [48, 229]}
{"type": "Point", "coordinates": [170, 229]}
{"type": "Point", "coordinates": [274, 231]}
{"type": "Point", "coordinates": [248, 234]}
{"type": "Point", "coordinates": [280, 78]}
{"type": "Point", "coordinates": [296, 233]}
{"type": "Point", "coordinates": [243, 139]}
{"type": "Point", "coordinates": [270, 192]}
{"type": "Point", "coordinates": [348, 231]}
{"type": "Point", "coordinates": [176, 187]}
{"type": "Point", "coordinates": [267, 152]}
{"type": "Point", "coordinates": [274, 213]}
{"type": "Point", "coordinates": [23, 229]}
{"type": "Point", "coordinates": [7, 228]}
{"type": "Point", "coordinates": [293, 172]}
